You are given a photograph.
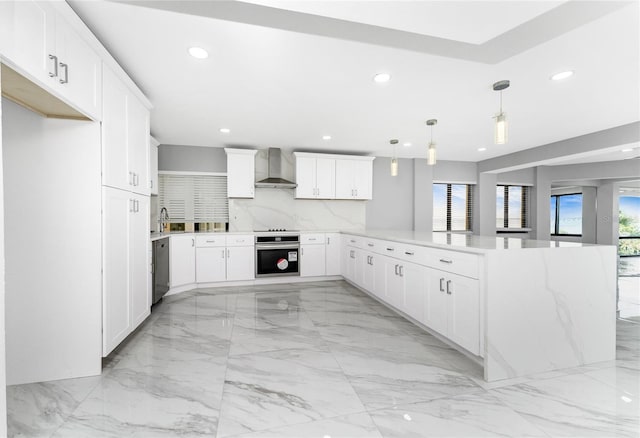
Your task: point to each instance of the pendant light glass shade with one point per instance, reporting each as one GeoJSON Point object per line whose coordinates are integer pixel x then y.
{"type": "Point", "coordinates": [431, 151]}
{"type": "Point", "coordinates": [501, 128]}
{"type": "Point", "coordinates": [394, 159]}
{"type": "Point", "coordinates": [394, 167]}
{"type": "Point", "coordinates": [431, 154]}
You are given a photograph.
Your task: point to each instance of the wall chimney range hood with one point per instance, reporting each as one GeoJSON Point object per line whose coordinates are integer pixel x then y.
{"type": "Point", "coordinates": [275, 180]}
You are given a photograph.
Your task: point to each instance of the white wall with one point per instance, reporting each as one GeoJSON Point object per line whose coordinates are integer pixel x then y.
{"type": "Point", "coordinates": [53, 250]}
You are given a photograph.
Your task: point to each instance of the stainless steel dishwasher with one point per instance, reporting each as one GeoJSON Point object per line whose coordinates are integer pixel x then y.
{"type": "Point", "coordinates": [160, 268]}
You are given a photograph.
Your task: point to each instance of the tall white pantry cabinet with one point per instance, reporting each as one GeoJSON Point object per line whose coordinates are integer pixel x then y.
{"type": "Point", "coordinates": [126, 187]}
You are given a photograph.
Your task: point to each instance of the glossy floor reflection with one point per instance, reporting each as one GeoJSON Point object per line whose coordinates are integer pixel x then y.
{"type": "Point", "coordinates": [317, 360]}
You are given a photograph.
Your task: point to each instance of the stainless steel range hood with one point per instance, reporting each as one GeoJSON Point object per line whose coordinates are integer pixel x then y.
{"type": "Point", "coordinates": [275, 180]}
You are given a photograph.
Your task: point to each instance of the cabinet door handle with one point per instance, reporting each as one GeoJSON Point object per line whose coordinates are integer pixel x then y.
{"type": "Point", "coordinates": [396, 269]}
{"type": "Point", "coordinates": [370, 244]}
{"type": "Point", "coordinates": [301, 251]}
{"type": "Point", "coordinates": [131, 207]}
{"type": "Point", "coordinates": [356, 192]}
{"type": "Point", "coordinates": [328, 240]}
{"type": "Point", "coordinates": [442, 285]}
{"type": "Point", "coordinates": [312, 238]}
{"type": "Point", "coordinates": [447, 261]}
{"type": "Point", "coordinates": [54, 73]}
{"type": "Point", "coordinates": [371, 260]}
{"type": "Point", "coordinates": [66, 73]}
{"type": "Point", "coordinates": [228, 253]}
{"type": "Point", "coordinates": [136, 179]}
{"type": "Point", "coordinates": [352, 241]}
{"type": "Point", "coordinates": [193, 242]}
{"type": "Point", "coordinates": [136, 206]}
{"type": "Point", "coordinates": [390, 249]}
{"type": "Point", "coordinates": [401, 271]}
{"type": "Point", "coordinates": [352, 254]}
{"type": "Point", "coordinates": [223, 253]}
{"type": "Point", "coordinates": [449, 287]}
{"type": "Point", "coordinates": [408, 252]}
{"type": "Point", "coordinates": [151, 184]}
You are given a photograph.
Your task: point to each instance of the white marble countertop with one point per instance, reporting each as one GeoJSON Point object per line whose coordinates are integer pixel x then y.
{"type": "Point", "coordinates": [156, 236]}
{"type": "Point", "coordinates": [462, 242]}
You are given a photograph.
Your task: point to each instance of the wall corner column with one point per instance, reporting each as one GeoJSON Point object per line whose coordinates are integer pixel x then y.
{"type": "Point", "coordinates": [484, 217]}
{"type": "Point", "coordinates": [540, 204]}
{"type": "Point", "coordinates": [422, 195]}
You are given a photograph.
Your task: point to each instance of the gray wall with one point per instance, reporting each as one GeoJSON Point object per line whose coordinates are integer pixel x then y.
{"type": "Point", "coordinates": [455, 171]}
{"type": "Point", "coordinates": [191, 158]}
{"type": "Point", "coordinates": [393, 200]}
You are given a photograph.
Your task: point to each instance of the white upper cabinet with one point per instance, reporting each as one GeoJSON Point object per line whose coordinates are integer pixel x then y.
{"type": "Point", "coordinates": [315, 176]}
{"type": "Point", "coordinates": [138, 145]}
{"type": "Point", "coordinates": [241, 171]}
{"type": "Point", "coordinates": [327, 176]}
{"type": "Point", "coordinates": [125, 138]}
{"type": "Point", "coordinates": [41, 45]}
{"type": "Point", "coordinates": [354, 178]}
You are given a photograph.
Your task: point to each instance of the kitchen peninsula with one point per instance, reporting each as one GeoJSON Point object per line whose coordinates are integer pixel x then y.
{"type": "Point", "coordinates": [518, 307]}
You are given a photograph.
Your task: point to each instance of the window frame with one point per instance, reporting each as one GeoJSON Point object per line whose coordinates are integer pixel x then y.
{"type": "Point", "coordinates": [468, 207]}
{"type": "Point", "coordinates": [524, 209]}
{"type": "Point", "coordinates": [557, 218]}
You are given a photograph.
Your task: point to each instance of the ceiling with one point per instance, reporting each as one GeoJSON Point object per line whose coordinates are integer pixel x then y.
{"type": "Point", "coordinates": [285, 73]}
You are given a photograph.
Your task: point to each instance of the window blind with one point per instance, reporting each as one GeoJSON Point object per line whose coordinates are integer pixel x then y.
{"type": "Point", "coordinates": [194, 198]}
{"type": "Point", "coordinates": [512, 204]}
{"type": "Point", "coordinates": [452, 207]}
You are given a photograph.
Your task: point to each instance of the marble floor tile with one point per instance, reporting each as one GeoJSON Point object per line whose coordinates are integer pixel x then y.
{"type": "Point", "coordinates": [249, 340]}
{"type": "Point", "coordinates": [267, 390]}
{"type": "Point", "coordinates": [38, 409]}
{"type": "Point", "coordinates": [348, 426]}
{"type": "Point", "coordinates": [473, 415]}
{"type": "Point", "coordinates": [146, 403]}
{"type": "Point", "coordinates": [407, 372]}
{"type": "Point", "coordinates": [289, 317]}
{"type": "Point", "coordinates": [574, 405]}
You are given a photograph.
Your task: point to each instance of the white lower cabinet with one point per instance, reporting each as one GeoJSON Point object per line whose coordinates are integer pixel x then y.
{"type": "Point", "coordinates": [240, 263]}
{"type": "Point", "coordinates": [222, 258]}
{"type": "Point", "coordinates": [453, 308]}
{"type": "Point", "coordinates": [312, 260]}
{"type": "Point", "coordinates": [182, 260]}
{"type": "Point", "coordinates": [125, 291]}
{"type": "Point", "coordinates": [445, 302]}
{"type": "Point", "coordinates": [211, 264]}
{"type": "Point", "coordinates": [333, 252]}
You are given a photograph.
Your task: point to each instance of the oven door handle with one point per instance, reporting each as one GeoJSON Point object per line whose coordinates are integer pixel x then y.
{"type": "Point", "coordinates": [277, 247]}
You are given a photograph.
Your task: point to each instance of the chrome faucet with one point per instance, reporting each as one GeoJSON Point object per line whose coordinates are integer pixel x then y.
{"type": "Point", "coordinates": [164, 217]}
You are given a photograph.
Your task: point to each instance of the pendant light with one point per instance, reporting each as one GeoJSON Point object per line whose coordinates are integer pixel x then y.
{"type": "Point", "coordinates": [431, 152]}
{"type": "Point", "coordinates": [501, 127]}
{"type": "Point", "coordinates": [394, 159]}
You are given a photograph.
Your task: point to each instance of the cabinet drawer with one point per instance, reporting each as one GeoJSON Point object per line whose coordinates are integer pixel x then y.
{"type": "Point", "coordinates": [240, 240]}
{"type": "Point", "coordinates": [413, 253]}
{"type": "Point", "coordinates": [455, 262]}
{"type": "Point", "coordinates": [209, 240]}
{"type": "Point", "coordinates": [353, 241]}
{"type": "Point", "coordinates": [373, 245]}
{"type": "Point", "coordinates": [312, 239]}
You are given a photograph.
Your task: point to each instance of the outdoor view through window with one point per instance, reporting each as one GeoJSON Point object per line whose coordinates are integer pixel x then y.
{"type": "Point", "coordinates": [629, 207]}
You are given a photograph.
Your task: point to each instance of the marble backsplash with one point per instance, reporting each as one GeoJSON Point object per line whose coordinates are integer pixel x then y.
{"type": "Point", "coordinates": [277, 208]}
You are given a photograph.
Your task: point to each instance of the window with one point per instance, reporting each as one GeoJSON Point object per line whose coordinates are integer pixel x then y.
{"type": "Point", "coordinates": [452, 207]}
{"type": "Point", "coordinates": [629, 226]}
{"type": "Point", "coordinates": [511, 206]}
{"type": "Point", "coordinates": [194, 199]}
{"type": "Point", "coordinates": [566, 215]}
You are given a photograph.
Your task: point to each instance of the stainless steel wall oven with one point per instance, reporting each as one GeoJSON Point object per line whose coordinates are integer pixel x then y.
{"type": "Point", "coordinates": [277, 254]}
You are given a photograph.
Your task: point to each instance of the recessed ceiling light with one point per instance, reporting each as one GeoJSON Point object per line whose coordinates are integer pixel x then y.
{"type": "Point", "coordinates": [562, 75]}
{"type": "Point", "coordinates": [627, 150]}
{"type": "Point", "coordinates": [326, 137]}
{"type": "Point", "coordinates": [198, 52]}
{"type": "Point", "coordinates": [482, 149]}
{"type": "Point", "coordinates": [406, 145]}
{"type": "Point", "coordinates": [382, 77]}
{"type": "Point", "coordinates": [225, 130]}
